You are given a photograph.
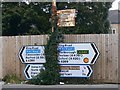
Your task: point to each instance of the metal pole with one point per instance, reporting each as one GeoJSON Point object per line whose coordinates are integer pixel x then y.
{"type": "Point", "coordinates": [54, 13]}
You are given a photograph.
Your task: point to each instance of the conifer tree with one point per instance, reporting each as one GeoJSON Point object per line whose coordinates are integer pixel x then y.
{"type": "Point", "coordinates": [50, 75]}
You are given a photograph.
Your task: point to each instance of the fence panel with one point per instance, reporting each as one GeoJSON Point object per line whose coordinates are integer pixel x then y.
{"type": "Point", "coordinates": [105, 68]}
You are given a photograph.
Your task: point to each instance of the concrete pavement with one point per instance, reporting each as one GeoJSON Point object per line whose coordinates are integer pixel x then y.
{"type": "Point", "coordinates": [61, 87]}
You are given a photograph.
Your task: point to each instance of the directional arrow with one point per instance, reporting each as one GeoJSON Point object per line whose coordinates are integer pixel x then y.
{"type": "Point", "coordinates": [77, 53]}
{"type": "Point", "coordinates": [76, 71]}
{"type": "Point", "coordinates": [96, 53]}
{"type": "Point", "coordinates": [32, 70]}
{"type": "Point", "coordinates": [20, 54]}
{"type": "Point", "coordinates": [32, 54]}
{"type": "Point", "coordinates": [26, 72]}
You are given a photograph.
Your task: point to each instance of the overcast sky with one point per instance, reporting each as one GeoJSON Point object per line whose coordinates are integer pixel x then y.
{"type": "Point", "coordinates": [115, 5]}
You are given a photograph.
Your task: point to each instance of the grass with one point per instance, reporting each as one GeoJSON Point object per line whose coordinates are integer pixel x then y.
{"type": "Point", "coordinates": [13, 79]}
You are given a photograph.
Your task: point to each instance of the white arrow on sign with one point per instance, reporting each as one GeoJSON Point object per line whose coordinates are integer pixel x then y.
{"type": "Point", "coordinates": [32, 70]}
{"type": "Point", "coordinates": [76, 71]}
{"type": "Point", "coordinates": [32, 54]}
{"type": "Point", "coordinates": [77, 53]}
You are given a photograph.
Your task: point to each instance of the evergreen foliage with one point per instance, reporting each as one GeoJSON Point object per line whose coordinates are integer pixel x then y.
{"type": "Point", "coordinates": [22, 19]}
{"type": "Point", "coordinates": [92, 17]}
{"type": "Point", "coordinates": [34, 18]}
{"type": "Point", "coordinates": [50, 75]}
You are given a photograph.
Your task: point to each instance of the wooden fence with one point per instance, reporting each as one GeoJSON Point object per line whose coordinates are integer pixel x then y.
{"type": "Point", "coordinates": [105, 68]}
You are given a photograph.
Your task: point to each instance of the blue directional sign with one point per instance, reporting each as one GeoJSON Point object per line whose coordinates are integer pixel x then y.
{"type": "Point", "coordinates": [32, 54]}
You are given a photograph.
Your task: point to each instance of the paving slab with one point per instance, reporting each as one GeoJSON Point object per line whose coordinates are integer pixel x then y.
{"type": "Point", "coordinates": [61, 87]}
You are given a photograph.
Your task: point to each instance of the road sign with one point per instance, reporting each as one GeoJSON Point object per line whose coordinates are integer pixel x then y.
{"type": "Point", "coordinates": [66, 18]}
{"type": "Point", "coordinates": [76, 71]}
{"type": "Point", "coordinates": [77, 53]}
{"type": "Point", "coordinates": [32, 54]}
{"type": "Point", "coordinates": [32, 70]}
{"type": "Point", "coordinates": [66, 24]}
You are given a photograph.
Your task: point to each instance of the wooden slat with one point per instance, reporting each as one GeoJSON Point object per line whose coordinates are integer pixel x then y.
{"type": "Point", "coordinates": [114, 59]}
{"type": "Point", "coordinates": [1, 59]}
{"type": "Point", "coordinates": [107, 55]}
{"type": "Point", "coordinates": [4, 54]}
{"type": "Point", "coordinates": [111, 60]}
{"type": "Point", "coordinates": [102, 62]}
{"type": "Point", "coordinates": [18, 62]}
